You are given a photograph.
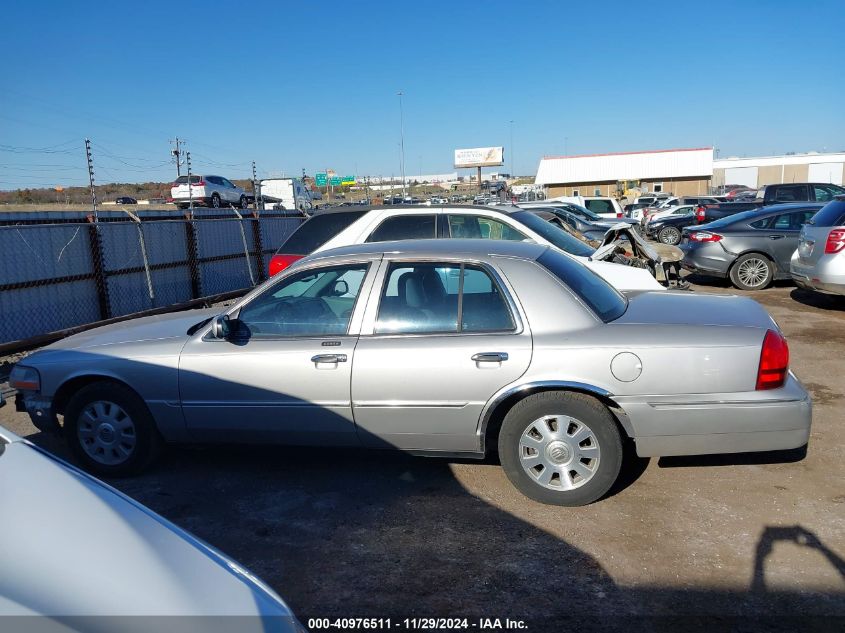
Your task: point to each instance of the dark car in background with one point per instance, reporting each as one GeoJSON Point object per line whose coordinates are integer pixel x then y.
{"type": "Point", "coordinates": [768, 195]}
{"type": "Point", "coordinates": [669, 228]}
{"type": "Point", "coordinates": [751, 248]}
{"type": "Point", "coordinates": [590, 230]}
{"type": "Point", "coordinates": [125, 200]}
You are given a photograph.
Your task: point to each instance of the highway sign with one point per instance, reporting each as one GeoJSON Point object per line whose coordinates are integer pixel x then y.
{"type": "Point", "coordinates": [335, 181]}
{"type": "Point", "coordinates": [320, 179]}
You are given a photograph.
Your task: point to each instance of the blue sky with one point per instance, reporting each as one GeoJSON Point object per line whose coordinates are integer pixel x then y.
{"type": "Point", "coordinates": [313, 85]}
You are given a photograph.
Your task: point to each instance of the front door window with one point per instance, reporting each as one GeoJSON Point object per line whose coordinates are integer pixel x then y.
{"type": "Point", "coordinates": [309, 303]}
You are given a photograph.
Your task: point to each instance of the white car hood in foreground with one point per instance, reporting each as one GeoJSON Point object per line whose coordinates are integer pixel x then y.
{"type": "Point", "coordinates": [76, 547]}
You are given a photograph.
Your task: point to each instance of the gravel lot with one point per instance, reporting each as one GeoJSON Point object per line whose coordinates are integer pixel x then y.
{"type": "Point", "coordinates": [756, 541]}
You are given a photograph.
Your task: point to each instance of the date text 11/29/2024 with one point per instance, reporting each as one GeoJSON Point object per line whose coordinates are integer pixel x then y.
{"type": "Point", "coordinates": [416, 624]}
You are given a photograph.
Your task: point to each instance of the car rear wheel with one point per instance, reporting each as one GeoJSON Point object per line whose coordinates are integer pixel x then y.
{"type": "Point", "coordinates": [669, 235]}
{"type": "Point", "coordinates": [560, 448]}
{"type": "Point", "coordinates": [752, 271]}
{"type": "Point", "coordinates": [110, 431]}
{"type": "Point", "coordinates": [215, 200]}
{"type": "Point", "coordinates": [243, 202]}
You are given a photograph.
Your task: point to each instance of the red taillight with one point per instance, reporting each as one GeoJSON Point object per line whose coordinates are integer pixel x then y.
{"type": "Point", "coordinates": [704, 236]}
{"type": "Point", "coordinates": [699, 213]}
{"type": "Point", "coordinates": [835, 241]}
{"type": "Point", "coordinates": [279, 262]}
{"type": "Point", "coordinates": [198, 183]}
{"type": "Point", "coordinates": [620, 215]}
{"type": "Point", "coordinates": [774, 361]}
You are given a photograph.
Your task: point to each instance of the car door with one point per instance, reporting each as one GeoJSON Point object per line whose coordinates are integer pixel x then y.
{"type": "Point", "coordinates": [230, 191]}
{"type": "Point", "coordinates": [782, 234]}
{"type": "Point", "coordinates": [439, 341]}
{"type": "Point", "coordinates": [283, 374]}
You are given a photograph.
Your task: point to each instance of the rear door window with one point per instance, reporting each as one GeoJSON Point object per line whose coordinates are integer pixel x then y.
{"type": "Point", "coordinates": [826, 193]}
{"type": "Point", "coordinates": [791, 193]}
{"type": "Point", "coordinates": [318, 230]}
{"type": "Point", "coordinates": [762, 223]}
{"type": "Point", "coordinates": [599, 206]}
{"type": "Point", "coordinates": [441, 298]}
{"type": "Point", "coordinates": [404, 227]}
{"type": "Point", "coordinates": [479, 227]}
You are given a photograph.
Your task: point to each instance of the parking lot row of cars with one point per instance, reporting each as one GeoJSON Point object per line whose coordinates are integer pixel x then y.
{"type": "Point", "coordinates": [781, 234]}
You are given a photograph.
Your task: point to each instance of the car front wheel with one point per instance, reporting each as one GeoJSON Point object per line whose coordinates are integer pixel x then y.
{"type": "Point", "coordinates": [560, 448]}
{"type": "Point", "coordinates": [110, 431]}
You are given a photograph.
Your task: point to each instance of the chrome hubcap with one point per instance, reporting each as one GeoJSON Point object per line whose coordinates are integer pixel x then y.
{"type": "Point", "coordinates": [559, 452]}
{"type": "Point", "coordinates": [669, 236]}
{"type": "Point", "coordinates": [106, 433]}
{"type": "Point", "coordinates": [753, 272]}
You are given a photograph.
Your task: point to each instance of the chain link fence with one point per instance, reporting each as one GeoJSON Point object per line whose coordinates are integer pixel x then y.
{"type": "Point", "coordinates": [57, 274]}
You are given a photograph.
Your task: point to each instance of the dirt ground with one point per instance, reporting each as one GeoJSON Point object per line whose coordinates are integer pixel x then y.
{"type": "Point", "coordinates": [754, 542]}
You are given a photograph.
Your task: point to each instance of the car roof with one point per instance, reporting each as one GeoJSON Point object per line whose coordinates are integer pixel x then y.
{"type": "Point", "coordinates": [787, 206]}
{"type": "Point", "coordinates": [438, 248]}
{"type": "Point", "coordinates": [504, 208]}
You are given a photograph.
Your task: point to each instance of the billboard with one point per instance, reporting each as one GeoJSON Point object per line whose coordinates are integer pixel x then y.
{"type": "Point", "coordinates": [479, 157]}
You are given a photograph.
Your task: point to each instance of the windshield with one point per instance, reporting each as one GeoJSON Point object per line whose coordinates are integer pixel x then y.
{"type": "Point", "coordinates": [554, 234]}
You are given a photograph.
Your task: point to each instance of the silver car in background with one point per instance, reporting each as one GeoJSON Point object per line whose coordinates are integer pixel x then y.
{"type": "Point", "coordinates": [77, 548]}
{"type": "Point", "coordinates": [819, 261]}
{"type": "Point", "coordinates": [435, 347]}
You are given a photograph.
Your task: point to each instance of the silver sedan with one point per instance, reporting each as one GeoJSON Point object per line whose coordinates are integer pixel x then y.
{"type": "Point", "coordinates": [446, 347]}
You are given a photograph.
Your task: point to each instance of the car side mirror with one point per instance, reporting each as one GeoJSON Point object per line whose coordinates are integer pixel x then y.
{"type": "Point", "coordinates": [340, 288]}
{"type": "Point", "coordinates": [220, 327]}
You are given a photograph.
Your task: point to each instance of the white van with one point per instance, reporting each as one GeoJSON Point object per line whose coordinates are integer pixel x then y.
{"type": "Point", "coordinates": [286, 194]}
{"type": "Point", "coordinates": [602, 206]}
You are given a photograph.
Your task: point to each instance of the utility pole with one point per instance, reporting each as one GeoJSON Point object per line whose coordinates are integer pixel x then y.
{"type": "Point", "coordinates": [256, 190]}
{"type": "Point", "coordinates": [177, 153]}
{"type": "Point", "coordinates": [190, 188]}
{"type": "Point", "coordinates": [513, 175]}
{"type": "Point", "coordinates": [91, 177]}
{"type": "Point", "coordinates": [402, 142]}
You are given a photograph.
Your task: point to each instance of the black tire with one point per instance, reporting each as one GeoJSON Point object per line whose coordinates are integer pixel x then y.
{"type": "Point", "coordinates": [215, 200]}
{"type": "Point", "coordinates": [579, 407]}
{"type": "Point", "coordinates": [752, 271]}
{"type": "Point", "coordinates": [243, 202]}
{"type": "Point", "coordinates": [147, 441]}
{"type": "Point", "coordinates": [669, 235]}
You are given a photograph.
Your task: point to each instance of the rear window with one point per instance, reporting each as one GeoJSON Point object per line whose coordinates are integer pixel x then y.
{"type": "Point", "coordinates": [594, 291]}
{"type": "Point", "coordinates": [554, 234]}
{"type": "Point", "coordinates": [831, 214]}
{"type": "Point", "coordinates": [318, 230]}
{"type": "Point", "coordinates": [183, 180]}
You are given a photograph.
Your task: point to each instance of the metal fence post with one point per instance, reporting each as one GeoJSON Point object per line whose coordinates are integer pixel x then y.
{"type": "Point", "coordinates": [259, 246]}
{"type": "Point", "coordinates": [95, 243]}
{"type": "Point", "coordinates": [193, 258]}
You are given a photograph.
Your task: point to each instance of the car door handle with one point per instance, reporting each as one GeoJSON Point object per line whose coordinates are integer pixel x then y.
{"type": "Point", "coordinates": [776, 237]}
{"type": "Point", "coordinates": [490, 357]}
{"type": "Point", "coordinates": [329, 358]}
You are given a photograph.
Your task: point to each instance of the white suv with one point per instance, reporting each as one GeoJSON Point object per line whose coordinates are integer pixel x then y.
{"type": "Point", "coordinates": [335, 228]}
{"type": "Point", "coordinates": [212, 191]}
